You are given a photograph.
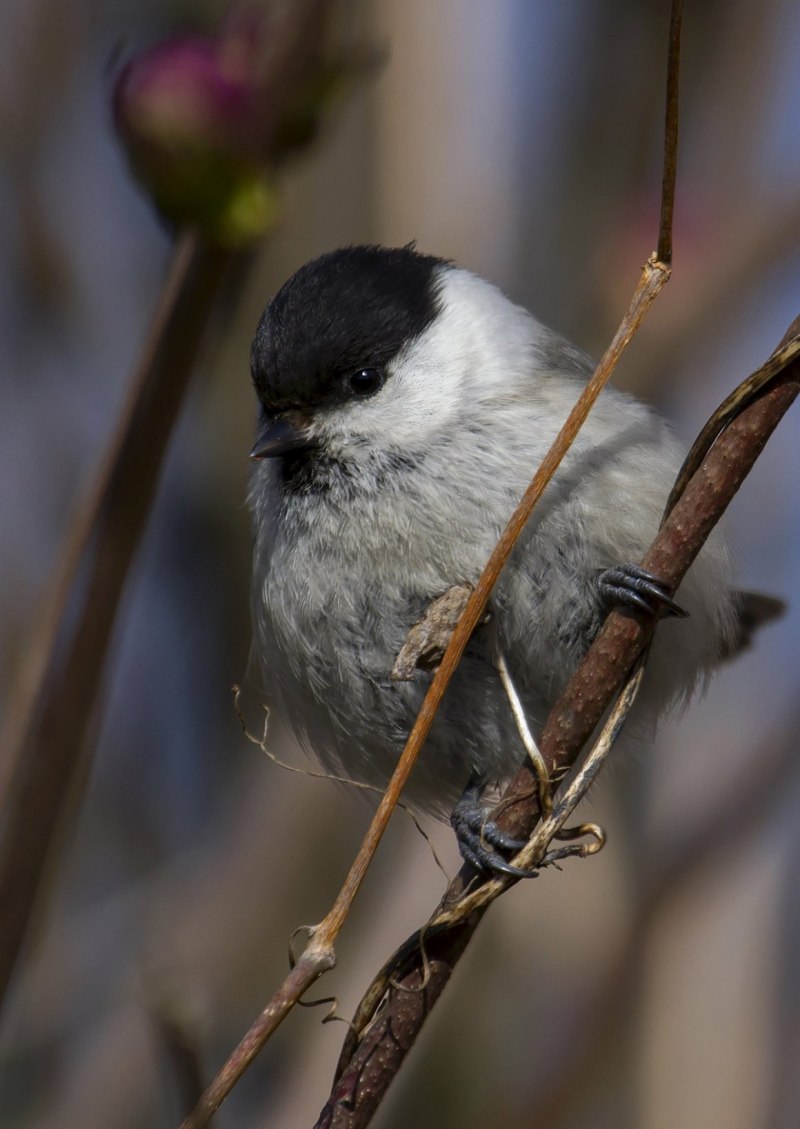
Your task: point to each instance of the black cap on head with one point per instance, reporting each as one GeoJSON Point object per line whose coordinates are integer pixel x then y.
{"type": "Point", "coordinates": [350, 309]}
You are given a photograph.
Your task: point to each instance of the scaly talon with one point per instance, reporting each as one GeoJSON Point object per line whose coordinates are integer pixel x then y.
{"type": "Point", "coordinates": [635, 587]}
{"type": "Point", "coordinates": [480, 839]}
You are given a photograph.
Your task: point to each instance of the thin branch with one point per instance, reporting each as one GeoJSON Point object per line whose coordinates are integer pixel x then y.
{"type": "Point", "coordinates": [731, 406]}
{"type": "Point", "coordinates": [427, 962]}
{"type": "Point", "coordinates": [672, 116]}
{"type": "Point", "coordinates": [654, 276]}
{"type": "Point", "coordinates": [296, 983]}
{"type": "Point", "coordinates": [319, 955]}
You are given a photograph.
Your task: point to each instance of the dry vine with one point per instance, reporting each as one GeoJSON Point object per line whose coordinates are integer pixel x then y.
{"type": "Point", "coordinates": [319, 955]}
{"type": "Point", "coordinates": [398, 1002]}
{"type": "Point", "coordinates": [401, 997]}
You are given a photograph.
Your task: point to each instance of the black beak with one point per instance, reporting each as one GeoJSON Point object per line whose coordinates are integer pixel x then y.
{"type": "Point", "coordinates": [278, 437]}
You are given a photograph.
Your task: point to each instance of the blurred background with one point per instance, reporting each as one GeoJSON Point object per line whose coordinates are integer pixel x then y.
{"type": "Point", "coordinates": [654, 985]}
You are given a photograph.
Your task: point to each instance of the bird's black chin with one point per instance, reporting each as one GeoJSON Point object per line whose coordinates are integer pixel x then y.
{"type": "Point", "coordinates": [317, 470]}
{"type": "Point", "coordinates": [310, 470]}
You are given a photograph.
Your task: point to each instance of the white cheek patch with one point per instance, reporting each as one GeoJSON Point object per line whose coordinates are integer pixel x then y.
{"type": "Point", "coordinates": [480, 342]}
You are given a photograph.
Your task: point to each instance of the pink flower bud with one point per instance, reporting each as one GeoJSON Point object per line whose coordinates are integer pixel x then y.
{"type": "Point", "coordinates": [189, 111]}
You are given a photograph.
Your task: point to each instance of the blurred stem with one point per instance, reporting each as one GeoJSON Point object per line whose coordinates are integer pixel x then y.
{"type": "Point", "coordinates": [47, 735]}
{"type": "Point", "coordinates": [672, 116]}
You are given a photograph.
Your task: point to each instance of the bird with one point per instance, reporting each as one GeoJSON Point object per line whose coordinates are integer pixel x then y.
{"type": "Point", "coordinates": [404, 404]}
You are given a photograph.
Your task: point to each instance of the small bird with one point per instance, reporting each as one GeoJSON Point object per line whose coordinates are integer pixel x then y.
{"type": "Point", "coordinates": [405, 404]}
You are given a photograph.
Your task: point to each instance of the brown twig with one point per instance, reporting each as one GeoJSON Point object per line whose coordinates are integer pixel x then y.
{"type": "Point", "coordinates": [299, 980]}
{"type": "Point", "coordinates": [654, 275]}
{"type": "Point", "coordinates": [671, 120]}
{"type": "Point", "coordinates": [319, 955]}
{"type": "Point", "coordinates": [428, 962]}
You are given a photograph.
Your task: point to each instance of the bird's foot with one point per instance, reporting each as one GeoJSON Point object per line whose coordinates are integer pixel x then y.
{"type": "Point", "coordinates": [630, 586]}
{"type": "Point", "coordinates": [479, 839]}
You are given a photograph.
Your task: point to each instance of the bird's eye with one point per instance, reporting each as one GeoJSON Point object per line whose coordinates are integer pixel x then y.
{"type": "Point", "coordinates": [365, 381]}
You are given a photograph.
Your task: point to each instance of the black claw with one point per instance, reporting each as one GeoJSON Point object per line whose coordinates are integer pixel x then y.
{"type": "Point", "coordinates": [480, 839]}
{"type": "Point", "coordinates": [635, 587]}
